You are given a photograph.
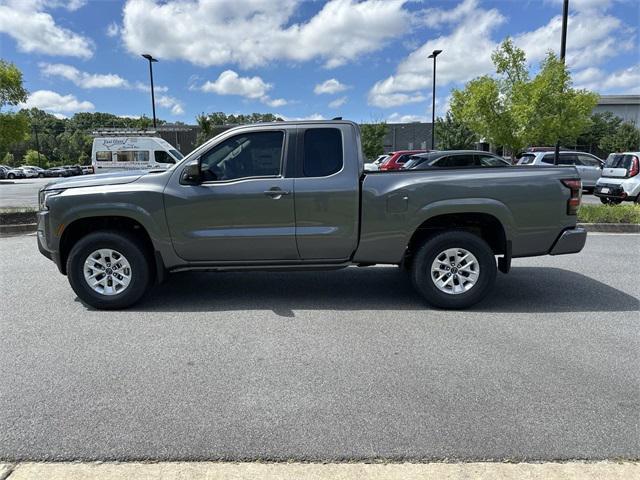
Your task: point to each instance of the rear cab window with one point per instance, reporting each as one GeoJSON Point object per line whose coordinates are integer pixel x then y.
{"type": "Point", "coordinates": [323, 153]}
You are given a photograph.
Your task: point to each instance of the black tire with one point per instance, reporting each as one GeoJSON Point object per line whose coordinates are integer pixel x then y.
{"type": "Point", "coordinates": [610, 201]}
{"type": "Point", "coordinates": [11, 176]}
{"type": "Point", "coordinates": [128, 246]}
{"type": "Point", "coordinates": [434, 246]}
{"type": "Point", "coordinates": [41, 175]}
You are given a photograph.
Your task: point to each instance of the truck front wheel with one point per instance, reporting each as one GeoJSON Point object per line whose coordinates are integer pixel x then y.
{"type": "Point", "coordinates": [454, 270]}
{"type": "Point", "coordinates": [108, 270]}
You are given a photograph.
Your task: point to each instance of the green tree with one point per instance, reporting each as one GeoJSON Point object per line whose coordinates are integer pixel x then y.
{"type": "Point", "coordinates": [513, 110]}
{"type": "Point", "coordinates": [11, 90]}
{"type": "Point", "coordinates": [372, 137]}
{"type": "Point", "coordinates": [13, 126]}
{"type": "Point", "coordinates": [204, 122]}
{"type": "Point", "coordinates": [9, 160]}
{"type": "Point", "coordinates": [13, 129]}
{"type": "Point", "coordinates": [454, 135]}
{"type": "Point", "coordinates": [625, 138]}
{"type": "Point", "coordinates": [32, 157]}
{"type": "Point", "coordinates": [602, 125]}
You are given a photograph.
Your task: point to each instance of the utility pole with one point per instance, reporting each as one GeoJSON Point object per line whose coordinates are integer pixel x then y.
{"type": "Point", "coordinates": [153, 98]}
{"type": "Point", "coordinates": [563, 51]}
{"type": "Point", "coordinates": [433, 55]}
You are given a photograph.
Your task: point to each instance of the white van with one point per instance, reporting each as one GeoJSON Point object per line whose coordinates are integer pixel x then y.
{"type": "Point", "coordinates": [132, 153]}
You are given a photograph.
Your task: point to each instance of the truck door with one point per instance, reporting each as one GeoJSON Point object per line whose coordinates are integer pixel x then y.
{"type": "Point", "coordinates": [327, 192]}
{"type": "Point", "coordinates": [243, 210]}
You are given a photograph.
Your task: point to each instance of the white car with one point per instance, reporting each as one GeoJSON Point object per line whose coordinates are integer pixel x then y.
{"type": "Point", "coordinates": [29, 172]}
{"type": "Point", "coordinates": [589, 166]}
{"type": "Point", "coordinates": [375, 165]}
{"type": "Point", "coordinates": [620, 180]}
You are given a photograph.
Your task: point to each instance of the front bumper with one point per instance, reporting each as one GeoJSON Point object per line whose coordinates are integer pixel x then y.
{"type": "Point", "coordinates": [44, 236]}
{"type": "Point", "coordinates": [571, 240]}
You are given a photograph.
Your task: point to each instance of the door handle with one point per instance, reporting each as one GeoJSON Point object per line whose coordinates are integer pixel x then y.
{"type": "Point", "coordinates": [275, 193]}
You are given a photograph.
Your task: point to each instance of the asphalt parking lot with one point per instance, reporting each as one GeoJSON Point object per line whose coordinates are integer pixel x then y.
{"type": "Point", "coordinates": [338, 365]}
{"type": "Point", "coordinates": [24, 192]}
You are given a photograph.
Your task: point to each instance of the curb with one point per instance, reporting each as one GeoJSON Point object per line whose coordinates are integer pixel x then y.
{"type": "Point", "coordinates": [329, 471]}
{"type": "Point", "coordinates": [611, 227]}
{"type": "Point", "coordinates": [18, 228]}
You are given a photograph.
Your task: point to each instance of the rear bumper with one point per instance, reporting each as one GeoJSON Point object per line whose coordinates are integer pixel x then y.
{"type": "Point", "coordinates": [570, 241]}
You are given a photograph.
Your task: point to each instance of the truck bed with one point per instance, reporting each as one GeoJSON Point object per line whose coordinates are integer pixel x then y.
{"type": "Point", "coordinates": [530, 203]}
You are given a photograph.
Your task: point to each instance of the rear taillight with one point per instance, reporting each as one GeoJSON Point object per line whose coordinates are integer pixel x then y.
{"type": "Point", "coordinates": [573, 203]}
{"type": "Point", "coordinates": [634, 168]}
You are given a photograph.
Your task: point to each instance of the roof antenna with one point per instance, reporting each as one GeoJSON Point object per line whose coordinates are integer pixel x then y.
{"type": "Point", "coordinates": [336, 118]}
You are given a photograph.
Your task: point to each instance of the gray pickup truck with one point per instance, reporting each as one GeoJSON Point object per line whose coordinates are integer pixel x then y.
{"type": "Point", "coordinates": [294, 195]}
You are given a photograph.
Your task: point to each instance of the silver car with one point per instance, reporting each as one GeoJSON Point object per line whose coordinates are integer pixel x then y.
{"type": "Point", "coordinates": [589, 166]}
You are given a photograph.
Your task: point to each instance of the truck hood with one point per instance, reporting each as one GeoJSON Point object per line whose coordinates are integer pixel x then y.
{"type": "Point", "coordinates": [97, 180]}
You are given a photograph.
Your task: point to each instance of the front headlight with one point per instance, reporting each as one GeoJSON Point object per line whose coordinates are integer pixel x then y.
{"type": "Point", "coordinates": [44, 195]}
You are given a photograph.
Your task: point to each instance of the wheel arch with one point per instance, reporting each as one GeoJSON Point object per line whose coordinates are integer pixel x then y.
{"type": "Point", "coordinates": [80, 227]}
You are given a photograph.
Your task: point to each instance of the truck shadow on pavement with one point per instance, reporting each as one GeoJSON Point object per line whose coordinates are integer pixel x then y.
{"type": "Point", "coordinates": [525, 289]}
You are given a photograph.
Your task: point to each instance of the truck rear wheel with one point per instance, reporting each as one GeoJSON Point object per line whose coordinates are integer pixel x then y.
{"type": "Point", "coordinates": [108, 270]}
{"type": "Point", "coordinates": [454, 270]}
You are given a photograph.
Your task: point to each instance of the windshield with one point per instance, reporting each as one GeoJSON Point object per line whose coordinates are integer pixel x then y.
{"type": "Point", "coordinates": [618, 160]}
{"type": "Point", "coordinates": [527, 159]}
{"type": "Point", "coordinates": [176, 154]}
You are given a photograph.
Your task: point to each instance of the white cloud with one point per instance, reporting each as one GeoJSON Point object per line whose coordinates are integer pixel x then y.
{"type": "Point", "coordinates": [330, 87]}
{"type": "Point", "coordinates": [171, 103]}
{"type": "Point", "coordinates": [398, 118]}
{"type": "Point", "coordinates": [467, 54]}
{"type": "Point", "coordinates": [230, 83]}
{"type": "Point", "coordinates": [251, 33]}
{"type": "Point", "coordinates": [35, 31]}
{"type": "Point", "coordinates": [83, 79]}
{"type": "Point", "coordinates": [592, 39]}
{"type": "Point", "coordinates": [253, 88]}
{"type": "Point", "coordinates": [626, 80]}
{"type": "Point", "coordinates": [313, 116]}
{"type": "Point", "coordinates": [55, 103]}
{"type": "Point", "coordinates": [144, 87]}
{"type": "Point", "coordinates": [583, 5]}
{"type": "Point", "coordinates": [338, 102]}
{"type": "Point", "coordinates": [274, 102]}
{"type": "Point", "coordinates": [113, 29]}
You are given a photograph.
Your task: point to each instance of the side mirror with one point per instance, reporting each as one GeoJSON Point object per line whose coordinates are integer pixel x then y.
{"type": "Point", "coordinates": [191, 174]}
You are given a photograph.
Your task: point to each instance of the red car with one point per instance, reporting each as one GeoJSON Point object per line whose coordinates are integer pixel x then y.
{"type": "Point", "coordinates": [397, 159]}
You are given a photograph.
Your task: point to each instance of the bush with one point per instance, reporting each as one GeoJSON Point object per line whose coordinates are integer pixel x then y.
{"type": "Point", "coordinates": [33, 158]}
{"type": "Point", "coordinates": [624, 213]}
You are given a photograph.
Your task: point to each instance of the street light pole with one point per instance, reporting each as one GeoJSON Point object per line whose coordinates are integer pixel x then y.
{"type": "Point", "coordinates": [153, 98]}
{"type": "Point", "coordinates": [563, 51]}
{"type": "Point", "coordinates": [433, 55]}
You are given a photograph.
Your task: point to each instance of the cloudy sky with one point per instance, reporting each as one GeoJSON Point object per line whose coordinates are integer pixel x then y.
{"type": "Point", "coordinates": [363, 60]}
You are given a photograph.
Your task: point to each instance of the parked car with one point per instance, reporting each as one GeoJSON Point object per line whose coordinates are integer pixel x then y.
{"type": "Point", "coordinates": [73, 169]}
{"type": "Point", "coordinates": [29, 172]}
{"type": "Point", "coordinates": [589, 166]}
{"type": "Point", "coordinates": [375, 165]}
{"type": "Point", "coordinates": [243, 201]}
{"type": "Point", "coordinates": [40, 172]}
{"type": "Point", "coordinates": [397, 159]}
{"type": "Point", "coordinates": [58, 172]}
{"type": "Point", "coordinates": [11, 173]}
{"type": "Point", "coordinates": [620, 180]}
{"type": "Point", "coordinates": [87, 169]}
{"type": "Point", "coordinates": [455, 158]}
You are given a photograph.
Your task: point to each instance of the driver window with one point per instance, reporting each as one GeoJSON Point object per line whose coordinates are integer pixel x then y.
{"type": "Point", "coordinates": [256, 154]}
